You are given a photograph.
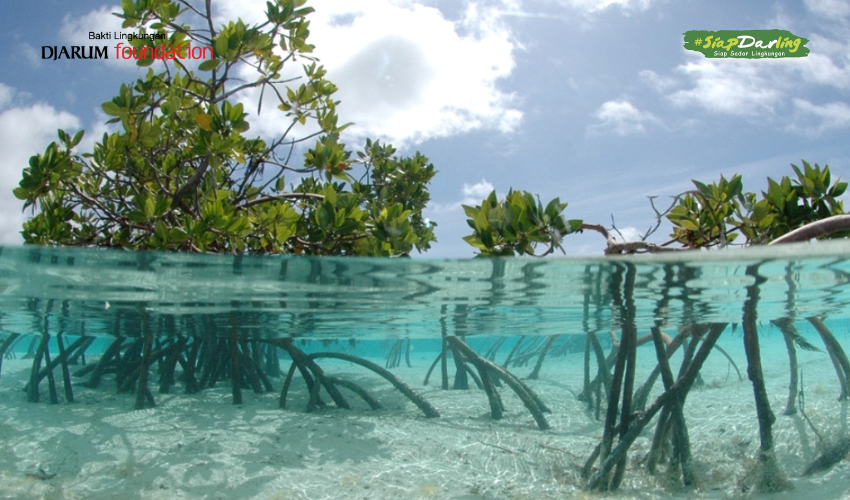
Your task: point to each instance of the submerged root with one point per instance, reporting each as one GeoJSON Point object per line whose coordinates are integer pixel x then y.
{"type": "Point", "coordinates": [409, 393]}
{"type": "Point", "coordinates": [489, 372]}
{"type": "Point", "coordinates": [771, 478]}
{"type": "Point", "coordinates": [829, 457]}
{"type": "Point", "coordinates": [765, 476]}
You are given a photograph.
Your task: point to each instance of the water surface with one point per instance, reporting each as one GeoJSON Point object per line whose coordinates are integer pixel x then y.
{"type": "Point", "coordinates": [98, 292]}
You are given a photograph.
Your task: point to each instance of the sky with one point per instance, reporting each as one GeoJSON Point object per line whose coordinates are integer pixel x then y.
{"type": "Point", "coordinates": [593, 101]}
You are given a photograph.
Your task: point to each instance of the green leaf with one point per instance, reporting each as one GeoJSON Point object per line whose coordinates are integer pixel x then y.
{"type": "Point", "coordinates": [111, 109]}
{"type": "Point", "coordinates": [221, 45]}
{"type": "Point", "coordinates": [575, 224]}
{"type": "Point", "coordinates": [701, 187]}
{"type": "Point", "coordinates": [149, 207]}
{"type": "Point", "coordinates": [766, 221]}
{"type": "Point", "coordinates": [689, 225]}
{"type": "Point", "coordinates": [554, 208]}
{"type": "Point", "coordinates": [129, 7]}
{"type": "Point", "coordinates": [204, 121]}
{"type": "Point", "coordinates": [77, 138]}
{"type": "Point", "coordinates": [209, 65]}
{"type": "Point", "coordinates": [21, 193]}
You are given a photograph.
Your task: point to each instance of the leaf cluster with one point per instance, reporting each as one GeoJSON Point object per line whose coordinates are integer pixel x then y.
{"type": "Point", "coordinates": [717, 214]}
{"type": "Point", "coordinates": [789, 204]}
{"type": "Point", "coordinates": [518, 225]}
{"type": "Point", "coordinates": [181, 173]}
{"type": "Point", "coordinates": [702, 218]}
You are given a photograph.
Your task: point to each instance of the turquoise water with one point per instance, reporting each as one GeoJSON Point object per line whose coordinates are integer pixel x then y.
{"type": "Point", "coordinates": [396, 313]}
{"type": "Point", "coordinates": [100, 293]}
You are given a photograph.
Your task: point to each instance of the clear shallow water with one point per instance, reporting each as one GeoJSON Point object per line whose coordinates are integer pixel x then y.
{"type": "Point", "coordinates": [396, 453]}
{"type": "Point", "coordinates": [96, 292]}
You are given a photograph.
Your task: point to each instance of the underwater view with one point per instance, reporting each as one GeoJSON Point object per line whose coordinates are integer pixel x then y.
{"type": "Point", "coordinates": [165, 375]}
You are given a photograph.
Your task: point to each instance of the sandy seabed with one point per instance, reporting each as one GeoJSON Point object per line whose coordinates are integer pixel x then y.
{"type": "Point", "coordinates": [202, 447]}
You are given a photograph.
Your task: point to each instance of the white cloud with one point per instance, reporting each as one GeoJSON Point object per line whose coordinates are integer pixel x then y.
{"type": "Point", "coordinates": [828, 65]}
{"type": "Point", "coordinates": [475, 193]}
{"type": "Point", "coordinates": [621, 117]}
{"type": "Point", "coordinates": [829, 8]}
{"type": "Point", "coordinates": [30, 54]}
{"type": "Point", "coordinates": [412, 75]}
{"type": "Point", "coordinates": [24, 131]}
{"type": "Point", "coordinates": [583, 13]}
{"type": "Point", "coordinates": [826, 116]}
{"type": "Point", "coordinates": [75, 31]}
{"type": "Point", "coordinates": [515, 8]}
{"type": "Point", "coordinates": [763, 88]}
{"type": "Point", "coordinates": [6, 93]}
{"type": "Point", "coordinates": [734, 86]}
{"type": "Point", "coordinates": [472, 194]}
{"type": "Point", "coordinates": [657, 82]}
{"type": "Point", "coordinates": [529, 8]}
{"type": "Point", "coordinates": [755, 89]}
{"type": "Point", "coordinates": [406, 73]}
{"type": "Point", "coordinates": [629, 233]}
{"type": "Point", "coordinates": [599, 5]}
{"type": "Point", "coordinates": [510, 121]}
{"type": "Point", "coordinates": [94, 132]}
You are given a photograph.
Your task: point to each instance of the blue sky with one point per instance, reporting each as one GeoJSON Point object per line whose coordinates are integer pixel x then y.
{"type": "Point", "coordinates": [593, 101]}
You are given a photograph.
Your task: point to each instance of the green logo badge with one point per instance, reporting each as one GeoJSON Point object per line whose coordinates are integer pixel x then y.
{"type": "Point", "coordinates": [746, 44]}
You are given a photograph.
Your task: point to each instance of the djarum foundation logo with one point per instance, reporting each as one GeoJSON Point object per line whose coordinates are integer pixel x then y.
{"type": "Point", "coordinates": [746, 44]}
{"type": "Point", "coordinates": [139, 46]}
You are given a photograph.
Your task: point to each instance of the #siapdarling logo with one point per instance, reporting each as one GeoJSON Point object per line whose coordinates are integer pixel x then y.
{"type": "Point", "coordinates": [746, 44]}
